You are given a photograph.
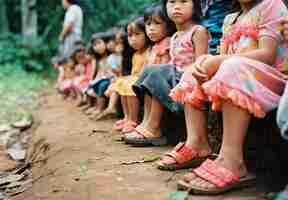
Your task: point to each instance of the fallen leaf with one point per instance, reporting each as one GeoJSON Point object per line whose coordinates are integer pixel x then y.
{"type": "Point", "coordinates": [178, 196]}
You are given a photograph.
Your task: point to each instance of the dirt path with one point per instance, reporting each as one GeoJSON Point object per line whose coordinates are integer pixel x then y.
{"type": "Point", "coordinates": [87, 164]}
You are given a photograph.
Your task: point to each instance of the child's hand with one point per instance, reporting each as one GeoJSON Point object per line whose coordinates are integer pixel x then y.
{"type": "Point", "coordinates": [197, 72]}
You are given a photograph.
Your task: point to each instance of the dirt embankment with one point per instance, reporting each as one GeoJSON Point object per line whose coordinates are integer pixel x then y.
{"type": "Point", "coordinates": [86, 164]}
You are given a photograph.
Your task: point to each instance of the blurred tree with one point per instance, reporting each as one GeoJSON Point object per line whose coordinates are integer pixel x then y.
{"type": "Point", "coordinates": [29, 18]}
{"type": "Point", "coordinates": [4, 27]}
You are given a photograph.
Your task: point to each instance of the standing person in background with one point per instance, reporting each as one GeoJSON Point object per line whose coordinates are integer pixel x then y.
{"type": "Point", "coordinates": [72, 27]}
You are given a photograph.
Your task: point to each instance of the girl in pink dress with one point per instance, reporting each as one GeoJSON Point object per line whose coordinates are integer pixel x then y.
{"type": "Point", "coordinates": [85, 68]}
{"type": "Point", "coordinates": [244, 81]}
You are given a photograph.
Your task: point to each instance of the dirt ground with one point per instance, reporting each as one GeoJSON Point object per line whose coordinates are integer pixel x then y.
{"type": "Point", "coordinates": [86, 164]}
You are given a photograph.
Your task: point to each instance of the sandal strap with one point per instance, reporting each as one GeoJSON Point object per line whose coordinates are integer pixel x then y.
{"type": "Point", "coordinates": [146, 134]}
{"type": "Point", "coordinates": [215, 174]}
{"type": "Point", "coordinates": [182, 153]}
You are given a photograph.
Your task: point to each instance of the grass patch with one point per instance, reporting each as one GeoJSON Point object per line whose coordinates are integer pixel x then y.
{"type": "Point", "coordinates": [18, 92]}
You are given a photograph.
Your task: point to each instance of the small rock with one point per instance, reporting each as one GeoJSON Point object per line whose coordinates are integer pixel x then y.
{"type": "Point", "coordinates": [22, 124]}
{"type": "Point", "coordinates": [2, 197]}
{"type": "Point", "coordinates": [5, 128]}
{"type": "Point", "coordinates": [17, 154]}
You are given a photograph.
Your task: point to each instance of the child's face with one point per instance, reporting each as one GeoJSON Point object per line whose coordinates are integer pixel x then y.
{"type": "Point", "coordinates": [81, 57]}
{"type": "Point", "coordinates": [99, 46]}
{"type": "Point", "coordinates": [119, 48]}
{"type": "Point", "coordinates": [111, 45]}
{"type": "Point", "coordinates": [136, 37]}
{"type": "Point", "coordinates": [156, 28]}
{"type": "Point", "coordinates": [118, 37]}
{"type": "Point", "coordinates": [69, 63]}
{"type": "Point", "coordinates": [180, 11]}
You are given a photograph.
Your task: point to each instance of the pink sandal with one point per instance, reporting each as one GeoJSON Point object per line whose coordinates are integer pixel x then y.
{"type": "Point", "coordinates": [223, 179]}
{"type": "Point", "coordinates": [129, 126]}
{"type": "Point", "coordinates": [119, 125]}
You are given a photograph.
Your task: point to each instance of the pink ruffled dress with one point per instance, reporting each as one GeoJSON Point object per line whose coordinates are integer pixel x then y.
{"type": "Point", "coordinates": [82, 82]}
{"type": "Point", "coordinates": [252, 85]}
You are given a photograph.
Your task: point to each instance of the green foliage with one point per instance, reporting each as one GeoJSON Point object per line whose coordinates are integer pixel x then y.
{"type": "Point", "coordinates": [15, 51]}
{"type": "Point", "coordinates": [18, 91]}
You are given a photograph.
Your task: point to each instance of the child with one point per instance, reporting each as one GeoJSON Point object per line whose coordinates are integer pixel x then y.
{"type": "Point", "coordinates": [158, 28]}
{"type": "Point", "coordinates": [66, 76]}
{"type": "Point", "coordinates": [189, 42]}
{"type": "Point", "coordinates": [243, 81]}
{"type": "Point", "coordinates": [139, 41]}
{"type": "Point", "coordinates": [84, 73]}
{"type": "Point", "coordinates": [114, 61]}
{"type": "Point", "coordinates": [104, 72]}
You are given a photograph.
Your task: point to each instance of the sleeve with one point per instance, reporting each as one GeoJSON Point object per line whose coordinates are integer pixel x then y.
{"type": "Point", "coordinates": [70, 16]}
{"type": "Point", "coordinates": [271, 14]}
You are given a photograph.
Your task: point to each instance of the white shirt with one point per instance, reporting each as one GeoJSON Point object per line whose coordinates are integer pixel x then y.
{"type": "Point", "coordinates": [74, 16]}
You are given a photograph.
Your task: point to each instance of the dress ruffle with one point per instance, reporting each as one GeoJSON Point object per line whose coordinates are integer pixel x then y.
{"type": "Point", "coordinates": [217, 90]}
{"type": "Point", "coordinates": [189, 94]}
{"type": "Point", "coordinates": [238, 31]}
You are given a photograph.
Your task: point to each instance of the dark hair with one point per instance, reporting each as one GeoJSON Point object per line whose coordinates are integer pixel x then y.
{"type": "Point", "coordinates": [78, 49]}
{"type": "Point", "coordinates": [105, 36]}
{"type": "Point", "coordinates": [235, 5]}
{"type": "Point", "coordinates": [140, 24]}
{"type": "Point", "coordinates": [127, 54]}
{"type": "Point", "coordinates": [197, 12]}
{"type": "Point", "coordinates": [77, 2]}
{"type": "Point", "coordinates": [159, 10]}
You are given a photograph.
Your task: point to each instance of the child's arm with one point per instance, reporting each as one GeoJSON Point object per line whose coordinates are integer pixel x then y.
{"type": "Point", "coordinates": [165, 59]}
{"type": "Point", "coordinates": [94, 68]}
{"type": "Point", "coordinates": [200, 40]}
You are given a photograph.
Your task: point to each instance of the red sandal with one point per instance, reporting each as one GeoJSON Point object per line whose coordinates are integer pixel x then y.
{"type": "Point", "coordinates": [184, 157]}
{"type": "Point", "coordinates": [223, 179]}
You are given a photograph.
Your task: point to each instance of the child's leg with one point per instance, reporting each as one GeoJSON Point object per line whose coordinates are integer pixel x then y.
{"type": "Point", "coordinates": [147, 109]}
{"type": "Point", "coordinates": [235, 121]}
{"type": "Point", "coordinates": [101, 103]}
{"type": "Point", "coordinates": [113, 101]}
{"type": "Point", "coordinates": [154, 118]}
{"type": "Point", "coordinates": [125, 106]}
{"type": "Point", "coordinates": [133, 108]}
{"type": "Point", "coordinates": [196, 124]}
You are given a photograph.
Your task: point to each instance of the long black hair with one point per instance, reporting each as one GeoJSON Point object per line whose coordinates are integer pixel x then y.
{"type": "Point", "coordinates": [126, 54]}
{"type": "Point", "coordinates": [158, 10]}
{"type": "Point", "coordinates": [197, 12]}
{"type": "Point", "coordinates": [105, 36]}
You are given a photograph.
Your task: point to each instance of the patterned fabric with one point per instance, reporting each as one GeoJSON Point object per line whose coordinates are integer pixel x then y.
{"type": "Point", "coordinates": [123, 85]}
{"type": "Point", "coordinates": [158, 51]}
{"type": "Point", "coordinates": [249, 84]}
{"type": "Point", "coordinates": [182, 48]}
{"type": "Point", "coordinates": [214, 12]}
{"type": "Point", "coordinates": [82, 82]}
